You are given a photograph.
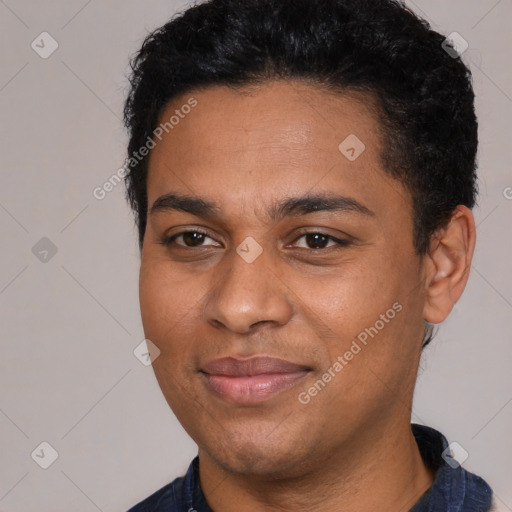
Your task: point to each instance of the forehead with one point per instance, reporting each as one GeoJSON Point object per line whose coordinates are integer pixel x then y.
{"type": "Point", "coordinates": [273, 139]}
{"type": "Point", "coordinates": [287, 119]}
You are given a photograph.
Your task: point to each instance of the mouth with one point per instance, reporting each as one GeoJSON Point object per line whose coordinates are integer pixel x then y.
{"type": "Point", "coordinates": [251, 380]}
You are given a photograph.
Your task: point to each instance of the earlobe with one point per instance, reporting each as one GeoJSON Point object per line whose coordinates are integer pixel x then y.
{"type": "Point", "coordinates": [448, 264]}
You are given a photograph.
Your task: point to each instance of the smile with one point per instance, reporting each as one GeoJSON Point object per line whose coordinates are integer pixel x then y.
{"type": "Point", "coordinates": [253, 380]}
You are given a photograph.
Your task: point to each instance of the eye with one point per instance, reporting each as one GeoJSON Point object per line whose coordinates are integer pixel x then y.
{"type": "Point", "coordinates": [195, 238]}
{"type": "Point", "coordinates": [191, 239]}
{"type": "Point", "coordinates": [321, 240]}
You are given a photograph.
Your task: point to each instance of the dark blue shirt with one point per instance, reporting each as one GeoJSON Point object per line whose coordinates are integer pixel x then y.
{"type": "Point", "coordinates": [454, 489]}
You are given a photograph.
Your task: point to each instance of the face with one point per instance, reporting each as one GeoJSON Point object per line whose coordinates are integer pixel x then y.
{"type": "Point", "coordinates": [278, 278]}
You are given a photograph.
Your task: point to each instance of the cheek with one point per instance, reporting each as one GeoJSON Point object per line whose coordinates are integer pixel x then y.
{"type": "Point", "coordinates": [352, 297]}
{"type": "Point", "coordinates": [165, 304]}
{"type": "Point", "coordinates": [166, 311]}
{"type": "Point", "coordinates": [376, 303]}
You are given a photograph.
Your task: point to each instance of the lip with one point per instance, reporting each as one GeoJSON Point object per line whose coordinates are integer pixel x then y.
{"type": "Point", "coordinates": [248, 381]}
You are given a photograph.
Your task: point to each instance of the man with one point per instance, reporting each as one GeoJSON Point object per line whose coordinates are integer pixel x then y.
{"type": "Point", "coordinates": [302, 174]}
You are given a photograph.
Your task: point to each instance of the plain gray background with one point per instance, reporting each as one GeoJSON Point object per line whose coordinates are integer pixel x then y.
{"type": "Point", "coordinates": [70, 323]}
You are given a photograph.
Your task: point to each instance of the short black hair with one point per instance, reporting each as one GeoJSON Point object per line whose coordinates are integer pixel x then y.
{"type": "Point", "coordinates": [423, 93]}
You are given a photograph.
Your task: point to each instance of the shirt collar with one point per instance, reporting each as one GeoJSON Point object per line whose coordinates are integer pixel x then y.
{"type": "Point", "coordinates": [454, 489]}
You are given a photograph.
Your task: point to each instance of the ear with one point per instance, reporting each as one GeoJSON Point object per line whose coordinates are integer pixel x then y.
{"type": "Point", "coordinates": [447, 265]}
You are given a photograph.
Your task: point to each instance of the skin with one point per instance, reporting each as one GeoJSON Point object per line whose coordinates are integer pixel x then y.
{"type": "Point", "coordinates": [303, 299]}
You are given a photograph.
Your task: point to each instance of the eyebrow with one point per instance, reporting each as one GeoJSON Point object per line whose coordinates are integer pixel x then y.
{"type": "Point", "coordinates": [292, 206]}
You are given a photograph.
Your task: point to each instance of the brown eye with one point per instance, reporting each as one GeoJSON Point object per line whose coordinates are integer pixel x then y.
{"type": "Point", "coordinates": [191, 239]}
{"type": "Point", "coordinates": [316, 241]}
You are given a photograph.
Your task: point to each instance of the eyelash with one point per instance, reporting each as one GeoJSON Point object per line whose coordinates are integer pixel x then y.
{"type": "Point", "coordinates": [168, 241]}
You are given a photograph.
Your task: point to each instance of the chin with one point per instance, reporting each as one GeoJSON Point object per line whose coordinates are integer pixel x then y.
{"type": "Point", "coordinates": [255, 461]}
{"type": "Point", "coordinates": [259, 452]}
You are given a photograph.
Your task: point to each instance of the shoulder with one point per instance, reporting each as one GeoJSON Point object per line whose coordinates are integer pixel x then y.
{"type": "Point", "coordinates": [166, 499]}
{"type": "Point", "coordinates": [478, 495]}
{"type": "Point", "coordinates": [453, 484]}
{"type": "Point", "coordinates": [182, 494]}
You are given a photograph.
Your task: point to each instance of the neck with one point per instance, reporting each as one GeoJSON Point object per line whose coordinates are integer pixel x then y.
{"type": "Point", "coordinates": [378, 471]}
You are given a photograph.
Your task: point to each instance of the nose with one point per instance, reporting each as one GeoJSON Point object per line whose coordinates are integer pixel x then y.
{"type": "Point", "coordinates": [246, 294]}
